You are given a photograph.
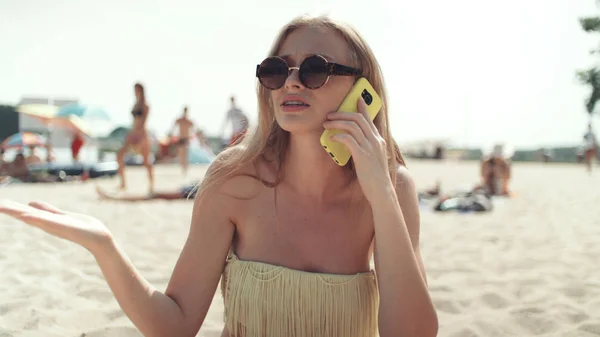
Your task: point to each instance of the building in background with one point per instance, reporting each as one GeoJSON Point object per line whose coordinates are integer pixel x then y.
{"type": "Point", "coordinates": [58, 137]}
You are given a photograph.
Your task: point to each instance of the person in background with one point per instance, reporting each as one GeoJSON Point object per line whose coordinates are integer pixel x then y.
{"type": "Point", "coordinates": [76, 144]}
{"type": "Point", "coordinates": [495, 172]}
{"type": "Point", "coordinates": [137, 139]}
{"type": "Point", "coordinates": [186, 192]}
{"type": "Point", "coordinates": [185, 128]}
{"type": "Point", "coordinates": [590, 147]}
{"type": "Point", "coordinates": [50, 158]}
{"type": "Point", "coordinates": [4, 166]}
{"type": "Point", "coordinates": [239, 123]}
{"type": "Point", "coordinates": [33, 158]}
{"type": "Point", "coordinates": [18, 168]}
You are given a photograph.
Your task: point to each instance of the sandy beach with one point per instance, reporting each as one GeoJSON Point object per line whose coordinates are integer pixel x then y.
{"type": "Point", "coordinates": [531, 267]}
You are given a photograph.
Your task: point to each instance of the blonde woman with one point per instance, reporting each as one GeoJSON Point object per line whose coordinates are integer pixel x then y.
{"type": "Point", "coordinates": [288, 232]}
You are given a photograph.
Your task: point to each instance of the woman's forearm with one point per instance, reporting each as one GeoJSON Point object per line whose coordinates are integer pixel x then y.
{"type": "Point", "coordinates": [405, 306]}
{"type": "Point", "coordinates": [151, 311]}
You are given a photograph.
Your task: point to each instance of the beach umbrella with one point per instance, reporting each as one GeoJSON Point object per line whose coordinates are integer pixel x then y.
{"type": "Point", "coordinates": [23, 139]}
{"type": "Point", "coordinates": [42, 112]}
{"type": "Point", "coordinates": [74, 124]}
{"type": "Point", "coordinates": [83, 112]}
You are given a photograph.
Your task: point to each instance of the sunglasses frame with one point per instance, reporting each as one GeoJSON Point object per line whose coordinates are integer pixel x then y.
{"type": "Point", "coordinates": [334, 69]}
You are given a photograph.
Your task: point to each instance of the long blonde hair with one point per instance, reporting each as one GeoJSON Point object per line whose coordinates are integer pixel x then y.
{"type": "Point", "coordinates": [269, 141]}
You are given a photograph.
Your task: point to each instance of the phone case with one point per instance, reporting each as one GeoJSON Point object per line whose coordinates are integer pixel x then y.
{"type": "Point", "coordinates": [338, 151]}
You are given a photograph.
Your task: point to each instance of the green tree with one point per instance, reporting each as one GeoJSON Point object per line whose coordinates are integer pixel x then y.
{"type": "Point", "coordinates": [591, 77]}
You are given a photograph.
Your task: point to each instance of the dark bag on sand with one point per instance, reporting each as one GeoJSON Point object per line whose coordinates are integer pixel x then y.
{"type": "Point", "coordinates": [470, 202]}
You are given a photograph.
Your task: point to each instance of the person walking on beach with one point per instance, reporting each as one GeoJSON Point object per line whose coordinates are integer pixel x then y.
{"type": "Point", "coordinates": [590, 148]}
{"type": "Point", "coordinates": [137, 139]}
{"type": "Point", "coordinates": [286, 232]}
{"type": "Point", "coordinates": [185, 128]}
{"type": "Point", "coordinates": [239, 123]}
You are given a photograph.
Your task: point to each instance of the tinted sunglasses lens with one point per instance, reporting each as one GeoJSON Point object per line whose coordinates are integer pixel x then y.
{"type": "Point", "coordinates": [272, 73]}
{"type": "Point", "coordinates": [314, 72]}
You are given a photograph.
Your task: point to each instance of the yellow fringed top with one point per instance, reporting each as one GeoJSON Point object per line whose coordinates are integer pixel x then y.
{"type": "Point", "coordinates": [265, 300]}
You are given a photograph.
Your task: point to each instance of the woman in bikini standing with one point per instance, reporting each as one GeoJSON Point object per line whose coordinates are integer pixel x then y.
{"type": "Point", "coordinates": [137, 139]}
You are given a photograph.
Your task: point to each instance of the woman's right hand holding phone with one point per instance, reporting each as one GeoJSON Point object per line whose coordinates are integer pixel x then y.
{"type": "Point", "coordinates": [81, 229]}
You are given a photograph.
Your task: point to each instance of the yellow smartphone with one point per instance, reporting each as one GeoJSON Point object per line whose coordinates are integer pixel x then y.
{"type": "Point", "coordinates": [338, 151]}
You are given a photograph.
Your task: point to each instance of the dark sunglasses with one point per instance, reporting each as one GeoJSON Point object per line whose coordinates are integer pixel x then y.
{"type": "Point", "coordinates": [313, 72]}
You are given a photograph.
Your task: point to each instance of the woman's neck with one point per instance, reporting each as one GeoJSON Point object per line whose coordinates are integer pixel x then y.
{"type": "Point", "coordinates": [310, 170]}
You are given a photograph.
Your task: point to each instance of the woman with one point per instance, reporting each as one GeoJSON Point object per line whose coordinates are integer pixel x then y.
{"type": "Point", "coordinates": [187, 192]}
{"type": "Point", "coordinates": [288, 232]}
{"type": "Point", "coordinates": [137, 139]}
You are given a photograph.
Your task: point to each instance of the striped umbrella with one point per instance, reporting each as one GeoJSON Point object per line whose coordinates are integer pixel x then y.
{"type": "Point", "coordinates": [73, 123]}
{"type": "Point", "coordinates": [23, 139]}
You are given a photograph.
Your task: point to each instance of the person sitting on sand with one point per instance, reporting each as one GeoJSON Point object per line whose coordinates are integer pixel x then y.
{"type": "Point", "coordinates": [18, 168]}
{"type": "Point", "coordinates": [33, 158]}
{"type": "Point", "coordinates": [20, 171]}
{"type": "Point", "coordinates": [287, 234]}
{"type": "Point", "coordinates": [495, 172]}
{"type": "Point", "coordinates": [187, 192]}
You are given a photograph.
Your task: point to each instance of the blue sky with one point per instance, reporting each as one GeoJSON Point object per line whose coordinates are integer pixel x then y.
{"type": "Point", "coordinates": [472, 71]}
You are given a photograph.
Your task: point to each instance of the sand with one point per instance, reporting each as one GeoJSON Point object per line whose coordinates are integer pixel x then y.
{"type": "Point", "coordinates": [529, 268]}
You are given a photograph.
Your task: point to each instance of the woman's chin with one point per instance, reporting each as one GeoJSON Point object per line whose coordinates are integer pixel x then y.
{"type": "Point", "coordinates": [296, 124]}
{"type": "Point", "coordinates": [298, 129]}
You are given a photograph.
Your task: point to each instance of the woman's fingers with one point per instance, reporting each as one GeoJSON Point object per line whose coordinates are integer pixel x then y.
{"type": "Point", "coordinates": [362, 108]}
{"type": "Point", "coordinates": [348, 126]}
{"type": "Point", "coordinates": [349, 141]}
{"type": "Point", "coordinates": [79, 228]}
{"type": "Point", "coordinates": [45, 207]}
{"type": "Point", "coordinates": [38, 214]}
{"type": "Point", "coordinates": [36, 220]}
{"type": "Point", "coordinates": [13, 209]}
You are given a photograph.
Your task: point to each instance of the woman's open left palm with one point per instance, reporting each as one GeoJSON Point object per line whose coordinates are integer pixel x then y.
{"type": "Point", "coordinates": [81, 229]}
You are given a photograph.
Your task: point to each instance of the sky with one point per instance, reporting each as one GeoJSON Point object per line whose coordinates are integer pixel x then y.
{"type": "Point", "coordinates": [470, 71]}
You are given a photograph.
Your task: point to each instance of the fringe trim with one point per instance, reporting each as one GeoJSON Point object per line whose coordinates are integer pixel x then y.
{"type": "Point", "coordinates": [264, 300]}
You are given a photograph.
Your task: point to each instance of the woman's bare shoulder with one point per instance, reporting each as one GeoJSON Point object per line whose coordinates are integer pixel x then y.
{"type": "Point", "coordinates": [243, 180]}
